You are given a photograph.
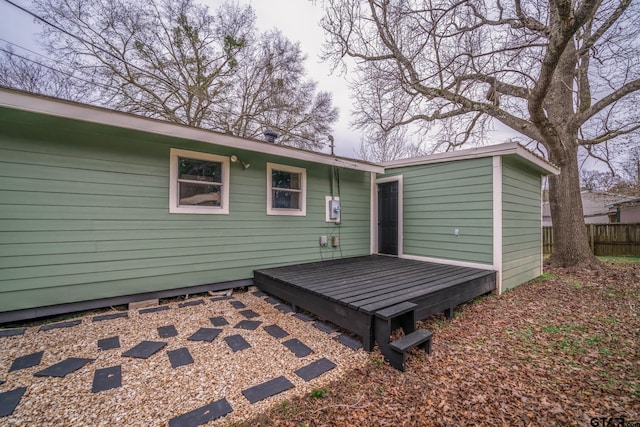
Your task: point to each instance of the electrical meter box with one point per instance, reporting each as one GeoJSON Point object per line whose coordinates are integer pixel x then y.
{"type": "Point", "coordinates": [334, 209]}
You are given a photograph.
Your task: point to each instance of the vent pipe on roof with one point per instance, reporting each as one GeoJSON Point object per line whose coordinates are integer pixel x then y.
{"type": "Point", "coordinates": [270, 135]}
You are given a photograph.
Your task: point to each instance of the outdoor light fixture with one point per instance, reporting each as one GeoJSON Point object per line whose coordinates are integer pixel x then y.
{"type": "Point", "coordinates": [234, 159]}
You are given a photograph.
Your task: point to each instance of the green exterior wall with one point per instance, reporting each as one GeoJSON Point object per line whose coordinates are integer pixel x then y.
{"type": "Point", "coordinates": [84, 214]}
{"type": "Point", "coordinates": [521, 223]}
{"type": "Point", "coordinates": [440, 197]}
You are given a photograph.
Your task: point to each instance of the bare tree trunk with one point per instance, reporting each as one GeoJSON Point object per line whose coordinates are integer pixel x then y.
{"type": "Point", "coordinates": [571, 245]}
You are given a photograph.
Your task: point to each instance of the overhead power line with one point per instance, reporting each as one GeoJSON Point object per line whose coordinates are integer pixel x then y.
{"type": "Point", "coordinates": [28, 50]}
{"type": "Point", "coordinates": [51, 68]}
{"type": "Point", "coordinates": [87, 42]}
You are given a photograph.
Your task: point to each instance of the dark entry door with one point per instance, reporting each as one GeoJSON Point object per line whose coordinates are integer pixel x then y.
{"type": "Point", "coordinates": [388, 218]}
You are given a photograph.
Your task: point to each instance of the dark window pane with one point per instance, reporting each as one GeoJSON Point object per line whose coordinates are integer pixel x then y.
{"type": "Point", "coordinates": [200, 195]}
{"type": "Point", "coordinates": [199, 170]}
{"type": "Point", "coordinates": [281, 179]}
{"type": "Point", "coordinates": [286, 200]}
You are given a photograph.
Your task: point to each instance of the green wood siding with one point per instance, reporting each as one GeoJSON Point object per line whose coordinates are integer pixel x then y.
{"type": "Point", "coordinates": [84, 214]}
{"type": "Point", "coordinates": [521, 223]}
{"type": "Point", "coordinates": [441, 197]}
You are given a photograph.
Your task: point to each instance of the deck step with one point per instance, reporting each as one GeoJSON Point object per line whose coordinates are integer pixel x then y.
{"type": "Point", "coordinates": [395, 310]}
{"type": "Point", "coordinates": [420, 338]}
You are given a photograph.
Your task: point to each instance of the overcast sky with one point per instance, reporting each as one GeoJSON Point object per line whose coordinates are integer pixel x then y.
{"type": "Point", "coordinates": [297, 19]}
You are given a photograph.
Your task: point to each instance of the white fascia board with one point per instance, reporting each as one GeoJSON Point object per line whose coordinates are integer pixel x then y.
{"type": "Point", "coordinates": [71, 110]}
{"type": "Point", "coordinates": [538, 161]}
{"type": "Point", "coordinates": [508, 148]}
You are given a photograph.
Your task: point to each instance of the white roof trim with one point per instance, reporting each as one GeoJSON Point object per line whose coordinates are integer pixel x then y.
{"type": "Point", "coordinates": [505, 149]}
{"type": "Point", "coordinates": [60, 108]}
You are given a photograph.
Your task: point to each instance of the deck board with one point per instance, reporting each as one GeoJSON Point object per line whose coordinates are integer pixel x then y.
{"type": "Point", "coordinates": [339, 290]}
{"type": "Point", "coordinates": [398, 282]}
{"type": "Point", "coordinates": [348, 291]}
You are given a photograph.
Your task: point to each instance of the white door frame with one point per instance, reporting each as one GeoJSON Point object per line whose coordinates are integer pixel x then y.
{"type": "Point", "coordinates": [374, 213]}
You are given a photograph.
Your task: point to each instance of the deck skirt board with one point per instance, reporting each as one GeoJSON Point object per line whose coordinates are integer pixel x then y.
{"type": "Point", "coordinates": [349, 291]}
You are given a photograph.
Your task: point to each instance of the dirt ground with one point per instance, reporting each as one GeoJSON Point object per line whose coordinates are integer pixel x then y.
{"type": "Point", "coordinates": [561, 350]}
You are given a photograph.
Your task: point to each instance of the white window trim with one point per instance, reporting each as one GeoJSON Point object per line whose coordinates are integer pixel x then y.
{"type": "Point", "coordinates": [303, 191]}
{"type": "Point", "coordinates": [173, 184]}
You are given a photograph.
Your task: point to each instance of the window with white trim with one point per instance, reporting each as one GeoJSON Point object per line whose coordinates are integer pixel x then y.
{"type": "Point", "coordinates": [286, 190]}
{"type": "Point", "coordinates": [199, 183]}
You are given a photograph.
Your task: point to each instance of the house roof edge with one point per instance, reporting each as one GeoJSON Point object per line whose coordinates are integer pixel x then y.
{"type": "Point", "coordinates": [41, 104]}
{"type": "Point", "coordinates": [504, 149]}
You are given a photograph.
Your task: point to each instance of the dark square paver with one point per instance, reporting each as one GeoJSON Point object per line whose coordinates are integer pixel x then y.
{"type": "Point", "coordinates": [222, 298]}
{"type": "Point", "coordinates": [62, 369]}
{"type": "Point", "coordinates": [249, 314]}
{"type": "Point", "coordinates": [24, 362]}
{"type": "Point", "coordinates": [237, 343]}
{"type": "Point", "coordinates": [179, 357]}
{"type": "Point", "coordinates": [276, 331]}
{"type": "Point", "coordinates": [297, 347]}
{"type": "Point", "coordinates": [109, 343]}
{"type": "Point", "coordinates": [272, 300]}
{"type": "Point", "coordinates": [205, 334]}
{"type": "Point", "coordinates": [315, 369]}
{"type": "Point", "coordinates": [349, 341]}
{"type": "Point", "coordinates": [190, 303]}
{"type": "Point", "coordinates": [303, 317]}
{"type": "Point", "coordinates": [237, 304]}
{"type": "Point", "coordinates": [325, 327]}
{"type": "Point", "coordinates": [260, 294]}
{"type": "Point", "coordinates": [107, 378]}
{"type": "Point", "coordinates": [109, 316]}
{"type": "Point", "coordinates": [267, 389]}
{"type": "Point", "coordinates": [218, 321]}
{"type": "Point", "coordinates": [284, 308]}
{"type": "Point", "coordinates": [60, 325]}
{"type": "Point", "coordinates": [145, 349]}
{"type": "Point", "coordinates": [9, 400]}
{"type": "Point", "coordinates": [154, 309]}
{"type": "Point", "coordinates": [249, 325]}
{"type": "Point", "coordinates": [167, 331]}
{"type": "Point", "coordinates": [11, 332]}
{"type": "Point", "coordinates": [202, 415]}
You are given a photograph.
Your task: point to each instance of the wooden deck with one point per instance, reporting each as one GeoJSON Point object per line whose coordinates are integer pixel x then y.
{"type": "Point", "coordinates": [349, 291]}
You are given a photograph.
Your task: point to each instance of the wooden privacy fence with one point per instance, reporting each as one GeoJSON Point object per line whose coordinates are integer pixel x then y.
{"type": "Point", "coordinates": [604, 239]}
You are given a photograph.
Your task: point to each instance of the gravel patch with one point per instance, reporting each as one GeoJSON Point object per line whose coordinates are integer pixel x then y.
{"type": "Point", "coordinates": [105, 388]}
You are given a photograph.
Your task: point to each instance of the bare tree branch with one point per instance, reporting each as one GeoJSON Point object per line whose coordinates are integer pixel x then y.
{"type": "Point", "coordinates": [563, 74]}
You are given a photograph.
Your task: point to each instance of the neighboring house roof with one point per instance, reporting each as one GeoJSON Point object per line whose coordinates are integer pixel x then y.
{"type": "Point", "coordinates": [25, 101]}
{"type": "Point", "coordinates": [509, 148]}
{"type": "Point", "coordinates": [593, 204]}
{"type": "Point", "coordinates": [629, 201]}
{"type": "Point", "coordinates": [61, 108]}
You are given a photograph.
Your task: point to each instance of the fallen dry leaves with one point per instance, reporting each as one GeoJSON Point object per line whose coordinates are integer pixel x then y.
{"type": "Point", "coordinates": [558, 351]}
